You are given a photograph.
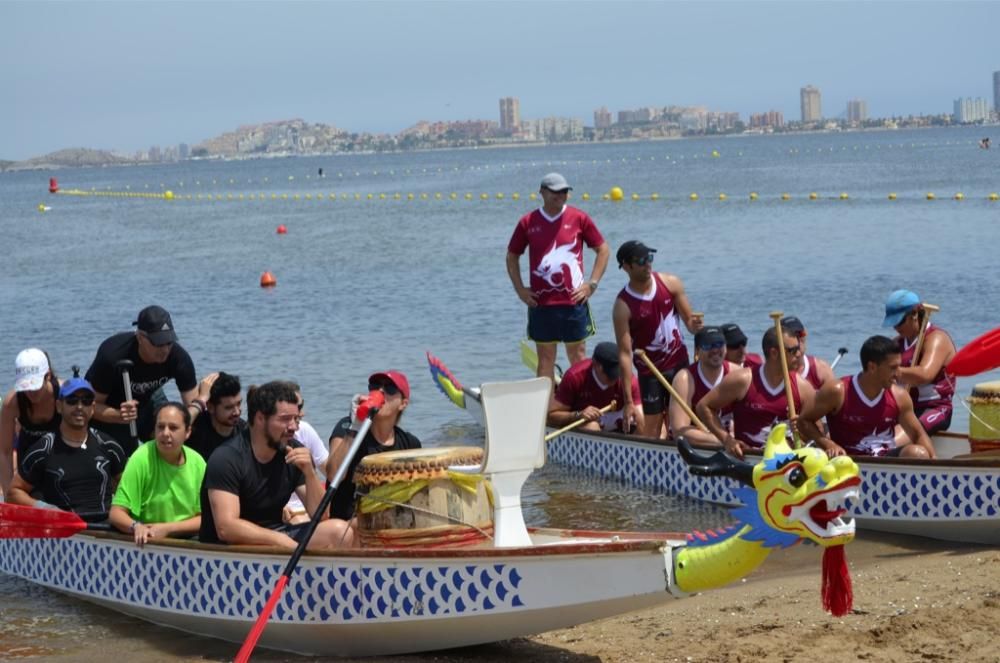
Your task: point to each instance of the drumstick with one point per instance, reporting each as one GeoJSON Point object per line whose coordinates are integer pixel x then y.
{"type": "Point", "coordinates": [776, 316]}
{"type": "Point", "coordinates": [673, 394]}
{"type": "Point", "coordinates": [604, 410]}
{"type": "Point", "coordinates": [930, 308]}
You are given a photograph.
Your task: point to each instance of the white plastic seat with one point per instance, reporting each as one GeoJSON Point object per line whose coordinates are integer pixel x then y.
{"type": "Point", "coordinates": [514, 414]}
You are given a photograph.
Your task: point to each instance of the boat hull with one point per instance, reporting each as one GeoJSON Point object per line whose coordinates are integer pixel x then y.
{"type": "Point", "coordinates": [950, 499]}
{"type": "Point", "coordinates": [360, 604]}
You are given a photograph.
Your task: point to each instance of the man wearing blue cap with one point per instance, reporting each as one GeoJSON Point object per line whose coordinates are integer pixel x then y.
{"type": "Point", "coordinates": [76, 468]}
{"type": "Point", "coordinates": [930, 387]}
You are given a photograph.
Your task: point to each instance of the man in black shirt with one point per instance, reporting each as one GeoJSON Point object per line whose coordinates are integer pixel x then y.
{"type": "Point", "coordinates": [156, 359]}
{"type": "Point", "coordinates": [384, 435]}
{"type": "Point", "coordinates": [221, 421]}
{"type": "Point", "coordinates": [75, 468]}
{"type": "Point", "coordinates": [249, 480]}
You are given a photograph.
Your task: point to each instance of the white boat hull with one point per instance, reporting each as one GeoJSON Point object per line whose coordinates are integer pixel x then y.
{"type": "Point", "coordinates": [361, 604]}
{"type": "Point", "coordinates": [950, 499]}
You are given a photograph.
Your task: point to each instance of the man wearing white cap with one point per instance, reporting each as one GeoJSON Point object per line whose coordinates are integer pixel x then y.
{"type": "Point", "coordinates": [930, 387]}
{"type": "Point", "coordinates": [558, 292]}
{"type": "Point", "coordinates": [29, 409]}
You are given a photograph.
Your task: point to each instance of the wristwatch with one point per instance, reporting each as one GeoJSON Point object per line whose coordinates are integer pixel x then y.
{"type": "Point", "coordinates": [593, 285]}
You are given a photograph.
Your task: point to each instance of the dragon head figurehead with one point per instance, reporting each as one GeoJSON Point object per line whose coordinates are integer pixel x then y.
{"type": "Point", "coordinates": [788, 496]}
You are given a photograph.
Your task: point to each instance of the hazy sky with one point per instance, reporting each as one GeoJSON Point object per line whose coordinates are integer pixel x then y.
{"type": "Point", "coordinates": [130, 75]}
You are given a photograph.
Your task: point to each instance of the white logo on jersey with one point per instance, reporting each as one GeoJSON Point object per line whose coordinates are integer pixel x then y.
{"type": "Point", "coordinates": [550, 267]}
{"type": "Point", "coordinates": [668, 335]}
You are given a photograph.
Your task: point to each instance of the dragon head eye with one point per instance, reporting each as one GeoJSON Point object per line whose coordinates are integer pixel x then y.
{"type": "Point", "coordinates": [796, 476]}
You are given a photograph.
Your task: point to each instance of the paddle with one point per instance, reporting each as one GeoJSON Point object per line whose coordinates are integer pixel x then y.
{"type": "Point", "coordinates": [530, 359]}
{"type": "Point", "coordinates": [366, 412]}
{"type": "Point", "coordinates": [125, 365]}
{"type": "Point", "coordinates": [930, 308]}
{"type": "Point", "coordinates": [673, 394]}
{"type": "Point", "coordinates": [579, 422]}
{"type": "Point", "coordinates": [776, 316]}
{"type": "Point", "coordinates": [836, 360]}
{"type": "Point", "coordinates": [978, 356]}
{"type": "Point", "coordinates": [29, 522]}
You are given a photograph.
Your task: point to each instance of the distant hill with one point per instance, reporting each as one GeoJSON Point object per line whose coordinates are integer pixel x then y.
{"type": "Point", "coordinates": [5, 164]}
{"type": "Point", "coordinates": [282, 137]}
{"type": "Point", "coordinates": [74, 157]}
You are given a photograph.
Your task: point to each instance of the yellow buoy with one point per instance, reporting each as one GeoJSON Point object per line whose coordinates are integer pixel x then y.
{"type": "Point", "coordinates": [654, 196]}
{"type": "Point", "coordinates": [930, 196]}
{"type": "Point", "coordinates": [785, 196]}
{"type": "Point", "coordinates": [753, 195]}
{"type": "Point", "coordinates": [585, 196]}
{"type": "Point", "coordinates": [844, 196]}
{"type": "Point", "coordinates": [892, 196]}
{"type": "Point", "coordinates": [517, 196]}
{"type": "Point", "coordinates": [533, 196]}
{"type": "Point", "coordinates": [168, 195]}
{"type": "Point", "coordinates": [453, 196]}
{"type": "Point", "coordinates": [606, 196]}
{"type": "Point", "coordinates": [616, 193]}
{"type": "Point", "coordinates": [959, 196]}
{"type": "Point", "coordinates": [468, 196]}
{"type": "Point", "coordinates": [693, 196]}
{"type": "Point", "coordinates": [635, 196]}
{"type": "Point", "coordinates": [723, 196]}
{"type": "Point", "coordinates": [484, 196]}
{"type": "Point", "coordinates": [715, 153]}
{"type": "Point", "coordinates": [813, 195]}
{"type": "Point", "coordinates": [994, 196]}
{"type": "Point", "coordinates": [499, 196]}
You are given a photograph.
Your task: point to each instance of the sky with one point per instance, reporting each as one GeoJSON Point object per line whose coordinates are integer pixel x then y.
{"type": "Point", "coordinates": [128, 75]}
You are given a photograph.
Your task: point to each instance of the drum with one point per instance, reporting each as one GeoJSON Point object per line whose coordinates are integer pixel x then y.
{"type": "Point", "coordinates": [984, 418]}
{"type": "Point", "coordinates": [410, 499]}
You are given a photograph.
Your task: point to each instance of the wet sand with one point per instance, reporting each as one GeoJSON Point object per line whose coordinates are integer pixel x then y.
{"type": "Point", "coordinates": [914, 600]}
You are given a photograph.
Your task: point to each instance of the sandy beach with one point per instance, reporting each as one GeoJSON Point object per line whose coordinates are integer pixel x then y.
{"type": "Point", "coordinates": [914, 600]}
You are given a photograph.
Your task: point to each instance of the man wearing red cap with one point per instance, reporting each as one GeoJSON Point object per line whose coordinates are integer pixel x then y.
{"type": "Point", "coordinates": [384, 435]}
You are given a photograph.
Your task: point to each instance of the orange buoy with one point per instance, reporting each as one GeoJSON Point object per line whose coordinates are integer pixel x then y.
{"type": "Point", "coordinates": [267, 280]}
{"type": "Point", "coordinates": [53, 185]}
{"type": "Point", "coordinates": [282, 229]}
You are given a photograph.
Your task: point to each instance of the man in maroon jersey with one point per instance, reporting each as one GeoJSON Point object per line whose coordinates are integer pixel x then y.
{"type": "Point", "coordinates": [695, 381]}
{"type": "Point", "coordinates": [757, 396]}
{"type": "Point", "coordinates": [736, 347]}
{"type": "Point", "coordinates": [589, 386]}
{"type": "Point", "coordinates": [647, 316]}
{"type": "Point", "coordinates": [557, 299]}
{"type": "Point", "coordinates": [863, 411]}
{"type": "Point", "coordinates": [816, 371]}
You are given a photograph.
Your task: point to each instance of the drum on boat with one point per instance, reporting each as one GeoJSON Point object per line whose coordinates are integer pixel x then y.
{"type": "Point", "coordinates": [410, 498]}
{"type": "Point", "coordinates": [984, 419]}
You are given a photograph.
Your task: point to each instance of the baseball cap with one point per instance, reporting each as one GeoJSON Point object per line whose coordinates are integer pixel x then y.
{"type": "Point", "coordinates": [74, 385]}
{"type": "Point", "coordinates": [155, 322]}
{"type": "Point", "coordinates": [899, 303]}
{"type": "Point", "coordinates": [632, 250]}
{"type": "Point", "coordinates": [733, 334]}
{"type": "Point", "coordinates": [792, 325]}
{"type": "Point", "coordinates": [606, 354]}
{"type": "Point", "coordinates": [30, 368]}
{"type": "Point", "coordinates": [709, 336]}
{"type": "Point", "coordinates": [555, 182]}
{"type": "Point", "coordinates": [395, 377]}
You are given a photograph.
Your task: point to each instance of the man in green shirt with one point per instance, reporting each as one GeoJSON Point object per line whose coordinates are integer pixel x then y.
{"type": "Point", "coordinates": [159, 492]}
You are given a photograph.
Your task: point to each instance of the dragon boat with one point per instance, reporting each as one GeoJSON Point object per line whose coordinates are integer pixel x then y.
{"type": "Point", "coordinates": [521, 581]}
{"type": "Point", "coordinates": [955, 497]}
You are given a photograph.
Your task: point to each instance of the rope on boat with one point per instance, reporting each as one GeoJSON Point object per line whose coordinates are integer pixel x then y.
{"type": "Point", "coordinates": [446, 516]}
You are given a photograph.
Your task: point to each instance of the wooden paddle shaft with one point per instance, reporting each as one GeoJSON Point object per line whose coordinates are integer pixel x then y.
{"type": "Point", "coordinates": [673, 393]}
{"type": "Point", "coordinates": [776, 316]}
{"type": "Point", "coordinates": [604, 410]}
{"type": "Point", "coordinates": [697, 315]}
{"type": "Point", "coordinates": [930, 308]}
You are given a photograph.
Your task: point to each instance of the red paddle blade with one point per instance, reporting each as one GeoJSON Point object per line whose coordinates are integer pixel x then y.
{"type": "Point", "coordinates": [258, 627]}
{"type": "Point", "coordinates": [978, 356]}
{"type": "Point", "coordinates": [28, 522]}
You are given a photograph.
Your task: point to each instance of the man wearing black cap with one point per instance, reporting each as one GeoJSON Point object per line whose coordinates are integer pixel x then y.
{"type": "Point", "coordinates": [695, 381]}
{"type": "Point", "coordinates": [589, 386]}
{"type": "Point", "coordinates": [557, 299]}
{"type": "Point", "coordinates": [736, 347]}
{"type": "Point", "coordinates": [647, 315]}
{"type": "Point", "coordinates": [815, 371]}
{"type": "Point", "coordinates": [156, 359]}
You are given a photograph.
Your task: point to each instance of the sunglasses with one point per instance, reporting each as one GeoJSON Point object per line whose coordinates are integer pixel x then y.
{"type": "Point", "coordinates": [712, 346]}
{"type": "Point", "coordinates": [645, 260]}
{"type": "Point", "coordinates": [794, 350]}
{"type": "Point", "coordinates": [73, 401]}
{"type": "Point", "coordinates": [387, 388]}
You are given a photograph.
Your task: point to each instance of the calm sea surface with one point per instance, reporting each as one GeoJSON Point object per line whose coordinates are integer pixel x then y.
{"type": "Point", "coordinates": [367, 284]}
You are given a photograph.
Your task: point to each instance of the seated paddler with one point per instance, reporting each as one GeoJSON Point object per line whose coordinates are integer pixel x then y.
{"type": "Point", "coordinates": [385, 434]}
{"type": "Point", "coordinates": [76, 468]}
{"type": "Point", "coordinates": [249, 479]}
{"type": "Point", "coordinates": [159, 494]}
{"type": "Point", "coordinates": [588, 387]}
{"type": "Point", "coordinates": [695, 381]}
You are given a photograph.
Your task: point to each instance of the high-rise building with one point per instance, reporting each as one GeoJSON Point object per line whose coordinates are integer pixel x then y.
{"type": "Point", "coordinates": [857, 110]}
{"type": "Point", "coordinates": [510, 114]}
{"type": "Point", "coordinates": [996, 91]}
{"type": "Point", "coordinates": [602, 118]}
{"type": "Point", "coordinates": [968, 110]}
{"type": "Point", "coordinates": [771, 118]}
{"type": "Point", "coordinates": [809, 98]}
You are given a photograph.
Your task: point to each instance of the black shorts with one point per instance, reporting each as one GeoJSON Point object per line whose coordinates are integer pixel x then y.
{"type": "Point", "coordinates": [297, 532]}
{"type": "Point", "coordinates": [655, 396]}
{"type": "Point", "coordinates": [560, 324]}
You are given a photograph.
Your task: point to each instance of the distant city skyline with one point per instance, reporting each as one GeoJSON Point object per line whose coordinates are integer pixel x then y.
{"type": "Point", "coordinates": [126, 76]}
